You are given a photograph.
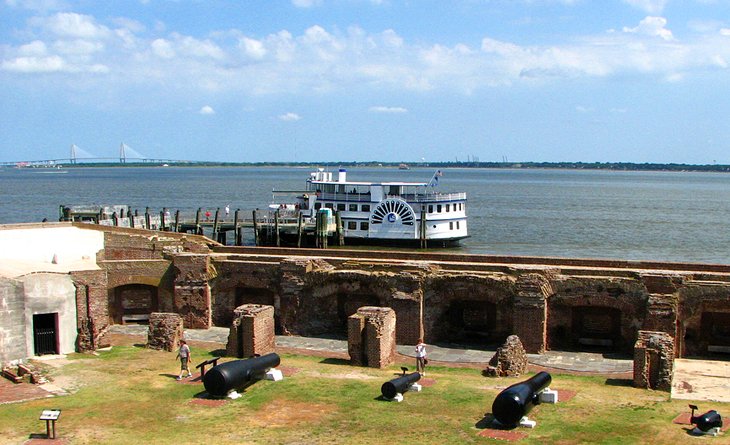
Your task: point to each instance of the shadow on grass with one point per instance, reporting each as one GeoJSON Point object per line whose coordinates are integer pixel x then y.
{"type": "Point", "coordinates": [217, 353]}
{"type": "Point", "coordinates": [172, 376]}
{"type": "Point", "coordinates": [140, 345]}
{"type": "Point", "coordinates": [489, 422]}
{"type": "Point", "coordinates": [620, 382]}
{"type": "Point", "coordinates": [335, 361]}
{"type": "Point", "coordinates": [38, 436]}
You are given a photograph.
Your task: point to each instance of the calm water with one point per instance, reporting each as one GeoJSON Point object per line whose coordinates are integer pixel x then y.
{"type": "Point", "coordinates": [589, 214]}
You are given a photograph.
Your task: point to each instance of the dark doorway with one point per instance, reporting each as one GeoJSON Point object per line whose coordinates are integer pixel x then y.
{"type": "Point", "coordinates": [45, 336]}
{"type": "Point", "coordinates": [596, 327]}
{"type": "Point", "coordinates": [133, 303]}
{"type": "Point", "coordinates": [715, 332]}
{"type": "Point", "coordinates": [348, 304]}
{"type": "Point", "coordinates": [472, 322]}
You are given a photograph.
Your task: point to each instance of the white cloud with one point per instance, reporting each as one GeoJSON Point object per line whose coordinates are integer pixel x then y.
{"type": "Point", "coordinates": [37, 5]}
{"type": "Point", "coordinates": [306, 3]}
{"type": "Point", "coordinates": [289, 117]}
{"type": "Point", "coordinates": [649, 6]}
{"type": "Point", "coordinates": [382, 109]}
{"type": "Point", "coordinates": [206, 109]}
{"type": "Point", "coordinates": [652, 26]}
{"type": "Point", "coordinates": [162, 48]}
{"type": "Point", "coordinates": [35, 65]}
{"type": "Point", "coordinates": [68, 24]}
{"type": "Point", "coordinates": [252, 48]}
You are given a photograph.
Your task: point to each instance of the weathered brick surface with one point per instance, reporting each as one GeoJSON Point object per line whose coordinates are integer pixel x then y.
{"type": "Point", "coordinates": [654, 361]}
{"type": "Point", "coordinates": [165, 331]}
{"type": "Point", "coordinates": [252, 331]}
{"type": "Point", "coordinates": [510, 360]}
{"type": "Point", "coordinates": [371, 337]}
{"type": "Point", "coordinates": [92, 309]}
{"type": "Point", "coordinates": [530, 311]}
{"type": "Point", "coordinates": [192, 297]}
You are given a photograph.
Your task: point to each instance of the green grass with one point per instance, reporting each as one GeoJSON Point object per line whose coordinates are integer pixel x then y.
{"type": "Point", "coordinates": [129, 395]}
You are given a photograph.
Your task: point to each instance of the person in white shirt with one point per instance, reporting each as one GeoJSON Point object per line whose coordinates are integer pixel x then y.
{"type": "Point", "coordinates": [421, 357]}
{"type": "Point", "coordinates": [184, 354]}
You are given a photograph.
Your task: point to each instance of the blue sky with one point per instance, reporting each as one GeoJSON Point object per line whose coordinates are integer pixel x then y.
{"type": "Point", "coordinates": [361, 80]}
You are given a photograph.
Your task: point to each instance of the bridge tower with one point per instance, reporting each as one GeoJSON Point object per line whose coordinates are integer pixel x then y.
{"type": "Point", "coordinates": [73, 153]}
{"type": "Point", "coordinates": [122, 154]}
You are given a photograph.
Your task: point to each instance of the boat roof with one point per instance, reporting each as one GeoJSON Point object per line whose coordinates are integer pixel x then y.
{"type": "Point", "coordinates": [418, 184]}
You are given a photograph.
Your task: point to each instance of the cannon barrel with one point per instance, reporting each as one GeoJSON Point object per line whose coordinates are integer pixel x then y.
{"type": "Point", "coordinates": [707, 421]}
{"type": "Point", "coordinates": [399, 385]}
{"type": "Point", "coordinates": [517, 400]}
{"type": "Point", "coordinates": [231, 375]}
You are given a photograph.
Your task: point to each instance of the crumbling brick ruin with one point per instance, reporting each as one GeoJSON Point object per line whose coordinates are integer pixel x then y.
{"type": "Point", "coordinates": [165, 331]}
{"type": "Point", "coordinates": [549, 303]}
{"type": "Point", "coordinates": [371, 337]}
{"type": "Point", "coordinates": [510, 360]}
{"type": "Point", "coordinates": [654, 361]}
{"type": "Point", "coordinates": [252, 331]}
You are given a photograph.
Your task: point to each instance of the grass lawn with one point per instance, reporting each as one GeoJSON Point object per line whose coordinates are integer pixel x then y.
{"type": "Point", "coordinates": [129, 395]}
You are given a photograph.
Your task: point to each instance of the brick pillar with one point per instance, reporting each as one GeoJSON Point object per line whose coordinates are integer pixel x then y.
{"type": "Point", "coordinates": [371, 337]}
{"type": "Point", "coordinates": [530, 311]}
{"type": "Point", "coordinates": [252, 331]}
{"type": "Point", "coordinates": [191, 297]}
{"type": "Point", "coordinates": [165, 331]}
{"type": "Point", "coordinates": [654, 361]}
{"type": "Point", "coordinates": [92, 309]}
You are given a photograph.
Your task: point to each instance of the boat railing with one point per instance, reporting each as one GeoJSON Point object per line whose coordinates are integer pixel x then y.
{"type": "Point", "coordinates": [430, 197]}
{"type": "Point", "coordinates": [410, 197]}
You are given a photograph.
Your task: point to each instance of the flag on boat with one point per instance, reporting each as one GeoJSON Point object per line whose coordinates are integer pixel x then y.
{"type": "Point", "coordinates": [435, 178]}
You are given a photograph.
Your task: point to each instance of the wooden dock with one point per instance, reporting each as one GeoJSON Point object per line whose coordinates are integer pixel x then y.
{"type": "Point", "coordinates": [267, 227]}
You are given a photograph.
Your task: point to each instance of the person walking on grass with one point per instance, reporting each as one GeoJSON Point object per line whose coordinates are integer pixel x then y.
{"type": "Point", "coordinates": [184, 354]}
{"type": "Point", "coordinates": [421, 357]}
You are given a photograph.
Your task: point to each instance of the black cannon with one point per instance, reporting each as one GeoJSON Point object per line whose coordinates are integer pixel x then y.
{"type": "Point", "coordinates": [221, 379]}
{"type": "Point", "coordinates": [399, 385]}
{"type": "Point", "coordinates": [517, 400]}
{"type": "Point", "coordinates": [707, 421]}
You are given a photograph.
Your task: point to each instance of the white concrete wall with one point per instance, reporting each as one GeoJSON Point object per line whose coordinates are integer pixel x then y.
{"type": "Point", "coordinates": [47, 293]}
{"type": "Point", "coordinates": [12, 321]}
{"type": "Point", "coordinates": [40, 244]}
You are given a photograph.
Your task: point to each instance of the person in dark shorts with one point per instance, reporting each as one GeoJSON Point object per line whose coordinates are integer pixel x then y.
{"type": "Point", "coordinates": [184, 354]}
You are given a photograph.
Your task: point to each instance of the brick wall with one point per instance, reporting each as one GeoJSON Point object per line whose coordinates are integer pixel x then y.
{"type": "Point", "coordinates": [252, 331]}
{"type": "Point", "coordinates": [371, 337]}
{"type": "Point", "coordinates": [165, 331]}
{"type": "Point", "coordinates": [654, 361]}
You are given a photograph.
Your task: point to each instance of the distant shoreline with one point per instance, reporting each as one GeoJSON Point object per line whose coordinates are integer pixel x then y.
{"type": "Point", "coordinates": [615, 166]}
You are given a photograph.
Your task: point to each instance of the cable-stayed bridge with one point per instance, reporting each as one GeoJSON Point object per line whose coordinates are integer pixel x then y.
{"type": "Point", "coordinates": [80, 156]}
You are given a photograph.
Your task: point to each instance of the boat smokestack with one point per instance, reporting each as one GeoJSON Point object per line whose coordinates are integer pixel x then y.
{"type": "Point", "coordinates": [342, 175]}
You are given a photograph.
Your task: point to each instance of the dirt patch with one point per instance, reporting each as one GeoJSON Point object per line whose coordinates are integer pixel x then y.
{"type": "Point", "coordinates": [288, 371]}
{"type": "Point", "coordinates": [427, 382]}
{"type": "Point", "coordinates": [507, 435]}
{"type": "Point", "coordinates": [281, 413]}
{"type": "Point", "coordinates": [19, 392]}
{"type": "Point", "coordinates": [354, 375]}
{"type": "Point", "coordinates": [208, 402]}
{"type": "Point", "coordinates": [565, 395]}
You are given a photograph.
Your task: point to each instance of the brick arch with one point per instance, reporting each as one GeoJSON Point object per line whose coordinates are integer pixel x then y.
{"type": "Point", "coordinates": [473, 311]}
{"type": "Point", "coordinates": [703, 320]}
{"type": "Point", "coordinates": [590, 321]}
{"type": "Point", "coordinates": [133, 302]}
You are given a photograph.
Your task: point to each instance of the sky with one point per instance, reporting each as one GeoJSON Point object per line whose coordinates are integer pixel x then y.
{"type": "Point", "coordinates": [366, 80]}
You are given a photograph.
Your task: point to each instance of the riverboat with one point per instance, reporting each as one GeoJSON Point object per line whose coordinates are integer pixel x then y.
{"type": "Point", "coordinates": [380, 212]}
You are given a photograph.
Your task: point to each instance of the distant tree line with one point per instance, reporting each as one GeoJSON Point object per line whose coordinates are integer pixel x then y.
{"type": "Point", "coordinates": [622, 166]}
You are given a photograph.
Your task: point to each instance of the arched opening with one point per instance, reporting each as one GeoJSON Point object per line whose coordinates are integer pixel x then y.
{"type": "Point", "coordinates": [133, 303]}
{"type": "Point", "coordinates": [596, 328]}
{"type": "Point", "coordinates": [714, 335]}
{"type": "Point", "coordinates": [255, 295]}
{"type": "Point", "coordinates": [472, 322]}
{"type": "Point", "coordinates": [348, 304]}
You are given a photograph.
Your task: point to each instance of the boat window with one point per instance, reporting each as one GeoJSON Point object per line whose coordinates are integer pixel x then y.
{"type": "Point", "coordinates": [394, 190]}
{"type": "Point", "coordinates": [438, 208]}
{"type": "Point", "coordinates": [460, 208]}
{"type": "Point", "coordinates": [365, 207]}
{"type": "Point", "coordinates": [457, 225]}
{"type": "Point", "coordinates": [364, 225]}
{"type": "Point", "coordinates": [317, 205]}
{"type": "Point", "coordinates": [430, 208]}
{"type": "Point", "coordinates": [448, 206]}
{"type": "Point", "coordinates": [328, 205]}
{"type": "Point", "coordinates": [340, 206]}
{"type": "Point", "coordinates": [351, 225]}
{"type": "Point", "coordinates": [353, 207]}
{"type": "Point", "coordinates": [451, 225]}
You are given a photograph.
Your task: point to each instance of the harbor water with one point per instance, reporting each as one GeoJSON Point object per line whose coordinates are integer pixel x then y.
{"type": "Point", "coordinates": [629, 215]}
